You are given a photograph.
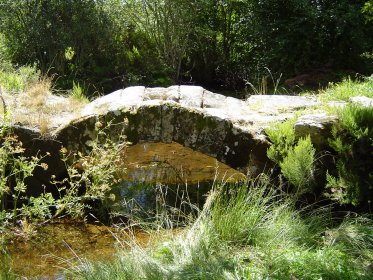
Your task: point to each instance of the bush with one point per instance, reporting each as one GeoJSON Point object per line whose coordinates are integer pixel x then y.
{"type": "Point", "coordinates": [84, 41]}
{"type": "Point", "coordinates": [295, 157]}
{"type": "Point", "coordinates": [298, 165]}
{"type": "Point", "coordinates": [352, 181]}
{"type": "Point", "coordinates": [317, 32]}
{"type": "Point", "coordinates": [18, 80]}
{"type": "Point", "coordinates": [15, 167]}
{"type": "Point", "coordinates": [282, 137]}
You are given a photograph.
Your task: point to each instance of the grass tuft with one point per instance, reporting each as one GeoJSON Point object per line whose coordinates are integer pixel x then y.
{"type": "Point", "coordinates": [348, 88]}
{"type": "Point", "coordinates": [249, 231]}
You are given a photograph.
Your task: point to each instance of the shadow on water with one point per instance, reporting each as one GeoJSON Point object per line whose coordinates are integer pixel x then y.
{"type": "Point", "coordinates": [171, 176]}
{"type": "Point", "coordinates": [157, 176]}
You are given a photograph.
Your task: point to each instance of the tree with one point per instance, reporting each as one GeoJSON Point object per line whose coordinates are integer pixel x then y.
{"type": "Point", "coordinates": [368, 10]}
{"type": "Point", "coordinates": [169, 23]}
{"type": "Point", "coordinates": [293, 36]}
{"type": "Point", "coordinates": [74, 40]}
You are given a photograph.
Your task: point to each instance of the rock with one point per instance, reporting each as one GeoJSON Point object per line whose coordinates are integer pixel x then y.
{"type": "Point", "coordinates": [267, 103]}
{"type": "Point", "coordinates": [318, 126]}
{"type": "Point", "coordinates": [121, 98]}
{"type": "Point", "coordinates": [191, 96]}
{"type": "Point", "coordinates": [226, 128]}
{"type": "Point", "coordinates": [49, 150]}
{"type": "Point", "coordinates": [362, 100]}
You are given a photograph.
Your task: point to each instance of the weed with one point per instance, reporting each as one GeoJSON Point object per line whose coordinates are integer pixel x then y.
{"type": "Point", "coordinates": [262, 87]}
{"type": "Point", "coordinates": [348, 88]}
{"type": "Point", "coordinates": [282, 137]}
{"type": "Point", "coordinates": [14, 168]}
{"type": "Point", "coordinates": [33, 104]}
{"type": "Point", "coordinates": [5, 268]}
{"type": "Point", "coordinates": [91, 176]}
{"type": "Point", "coordinates": [77, 94]}
{"type": "Point", "coordinates": [37, 94]}
{"type": "Point", "coordinates": [352, 141]}
{"type": "Point", "coordinates": [298, 165]}
{"type": "Point", "coordinates": [247, 232]}
{"type": "Point", "coordinates": [295, 157]}
{"type": "Point", "coordinates": [17, 80]}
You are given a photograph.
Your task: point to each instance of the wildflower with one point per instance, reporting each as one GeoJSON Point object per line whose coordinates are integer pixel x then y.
{"type": "Point", "coordinates": [44, 166]}
{"type": "Point", "coordinates": [125, 121]}
{"type": "Point", "coordinates": [63, 150]}
{"type": "Point", "coordinates": [112, 197]}
{"type": "Point", "coordinates": [98, 125]}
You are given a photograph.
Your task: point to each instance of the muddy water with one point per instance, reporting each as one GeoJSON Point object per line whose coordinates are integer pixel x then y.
{"type": "Point", "coordinates": [157, 175]}
{"type": "Point", "coordinates": [59, 246]}
{"type": "Point", "coordinates": [173, 163]}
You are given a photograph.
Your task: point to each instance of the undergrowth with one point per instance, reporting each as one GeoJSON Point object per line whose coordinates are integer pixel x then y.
{"type": "Point", "coordinates": [89, 179]}
{"type": "Point", "coordinates": [348, 88]}
{"type": "Point", "coordinates": [249, 231]}
{"type": "Point", "coordinates": [351, 182]}
{"type": "Point", "coordinates": [15, 80]}
{"type": "Point", "coordinates": [294, 156]}
{"type": "Point", "coordinates": [347, 176]}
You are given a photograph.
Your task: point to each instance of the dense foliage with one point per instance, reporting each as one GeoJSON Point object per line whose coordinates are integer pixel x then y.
{"type": "Point", "coordinates": [342, 169]}
{"type": "Point", "coordinates": [108, 44]}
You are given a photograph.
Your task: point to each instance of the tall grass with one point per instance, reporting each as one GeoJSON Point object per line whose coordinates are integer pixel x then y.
{"type": "Point", "coordinates": [15, 80]}
{"type": "Point", "coordinates": [348, 88]}
{"type": "Point", "coordinates": [249, 231]}
{"type": "Point", "coordinates": [5, 270]}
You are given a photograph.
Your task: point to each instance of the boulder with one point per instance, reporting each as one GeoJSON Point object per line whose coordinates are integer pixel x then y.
{"type": "Point", "coordinates": [318, 126]}
{"type": "Point", "coordinates": [362, 101]}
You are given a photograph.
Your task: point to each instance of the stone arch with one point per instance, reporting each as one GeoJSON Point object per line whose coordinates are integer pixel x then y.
{"type": "Point", "coordinates": [167, 122]}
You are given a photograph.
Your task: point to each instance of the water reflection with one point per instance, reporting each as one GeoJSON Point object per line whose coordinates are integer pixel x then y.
{"type": "Point", "coordinates": [175, 164]}
{"type": "Point", "coordinates": [63, 244]}
{"type": "Point", "coordinates": [157, 178]}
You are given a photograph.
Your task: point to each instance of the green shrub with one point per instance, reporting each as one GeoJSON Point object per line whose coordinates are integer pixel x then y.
{"type": "Point", "coordinates": [352, 141]}
{"type": "Point", "coordinates": [295, 157]}
{"type": "Point", "coordinates": [18, 80]}
{"type": "Point", "coordinates": [90, 176]}
{"type": "Point", "coordinates": [298, 165]}
{"type": "Point", "coordinates": [5, 267]}
{"type": "Point", "coordinates": [78, 93]}
{"type": "Point", "coordinates": [15, 167]}
{"type": "Point", "coordinates": [89, 180]}
{"type": "Point", "coordinates": [282, 137]}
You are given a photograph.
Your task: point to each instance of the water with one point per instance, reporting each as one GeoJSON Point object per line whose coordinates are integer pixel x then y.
{"type": "Point", "coordinates": [166, 174]}
{"type": "Point", "coordinates": [61, 245]}
{"type": "Point", "coordinates": [150, 168]}
{"type": "Point", "coordinates": [174, 164]}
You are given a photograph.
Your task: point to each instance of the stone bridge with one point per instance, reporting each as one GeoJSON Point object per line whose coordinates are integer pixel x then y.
{"type": "Point", "coordinates": [226, 128]}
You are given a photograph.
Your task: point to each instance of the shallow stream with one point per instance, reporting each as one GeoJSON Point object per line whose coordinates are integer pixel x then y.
{"type": "Point", "coordinates": [58, 246]}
